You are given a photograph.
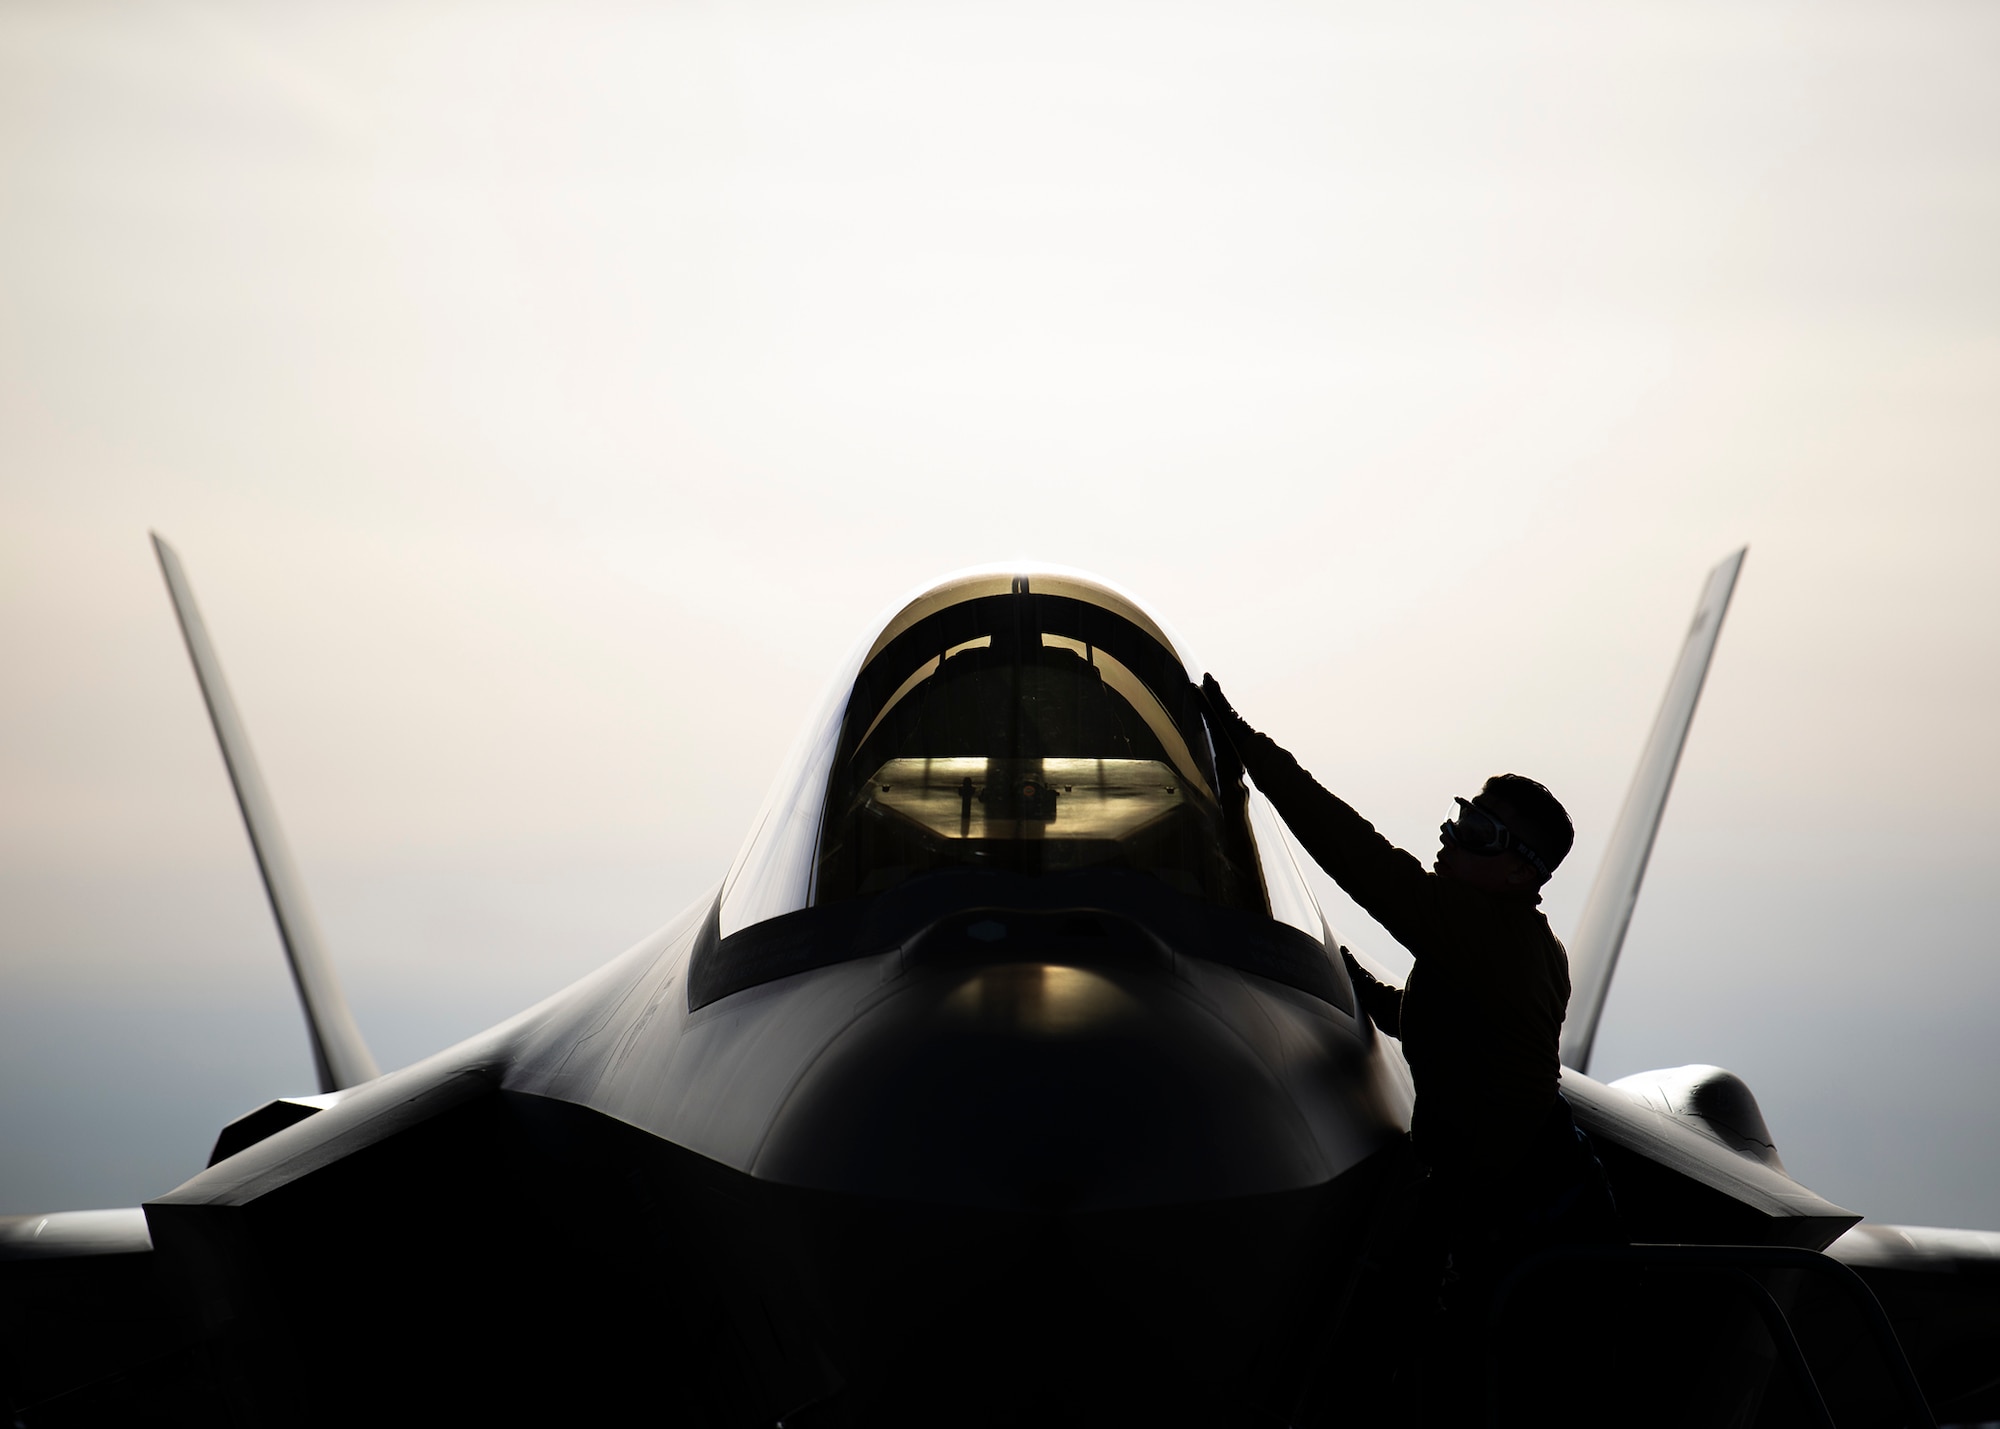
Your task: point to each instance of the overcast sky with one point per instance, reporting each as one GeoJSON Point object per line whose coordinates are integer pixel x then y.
{"type": "Point", "coordinates": [543, 396]}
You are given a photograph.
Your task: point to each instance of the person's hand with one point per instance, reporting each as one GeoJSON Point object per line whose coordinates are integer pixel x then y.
{"type": "Point", "coordinates": [1227, 720]}
{"type": "Point", "coordinates": [1378, 1002]}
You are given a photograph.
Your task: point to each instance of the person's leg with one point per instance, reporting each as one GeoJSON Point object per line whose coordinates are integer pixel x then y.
{"type": "Point", "coordinates": [1557, 1195]}
{"type": "Point", "coordinates": [1454, 1355]}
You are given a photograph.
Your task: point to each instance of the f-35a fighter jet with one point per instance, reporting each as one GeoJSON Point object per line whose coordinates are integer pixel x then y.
{"type": "Point", "coordinates": [1011, 1076]}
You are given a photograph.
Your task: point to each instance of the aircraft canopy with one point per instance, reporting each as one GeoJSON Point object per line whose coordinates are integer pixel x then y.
{"type": "Point", "coordinates": [1036, 724]}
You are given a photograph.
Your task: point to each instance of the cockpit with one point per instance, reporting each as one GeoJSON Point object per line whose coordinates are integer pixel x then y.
{"type": "Point", "coordinates": [1027, 737]}
{"type": "Point", "coordinates": [1035, 730]}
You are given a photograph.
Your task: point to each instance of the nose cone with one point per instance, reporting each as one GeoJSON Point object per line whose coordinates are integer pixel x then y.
{"type": "Point", "coordinates": [1031, 1063]}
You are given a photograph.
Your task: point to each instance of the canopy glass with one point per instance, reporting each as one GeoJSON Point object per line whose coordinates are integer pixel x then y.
{"type": "Point", "coordinates": [1034, 723]}
{"type": "Point", "coordinates": [1034, 731]}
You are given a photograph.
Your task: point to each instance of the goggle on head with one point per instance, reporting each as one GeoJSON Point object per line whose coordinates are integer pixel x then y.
{"type": "Point", "coordinates": [1478, 832]}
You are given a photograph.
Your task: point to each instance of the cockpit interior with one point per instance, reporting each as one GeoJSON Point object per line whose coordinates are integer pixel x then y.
{"type": "Point", "coordinates": [1031, 731]}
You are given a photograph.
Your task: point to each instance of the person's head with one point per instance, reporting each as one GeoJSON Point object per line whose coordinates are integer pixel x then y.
{"type": "Point", "coordinates": [1508, 838]}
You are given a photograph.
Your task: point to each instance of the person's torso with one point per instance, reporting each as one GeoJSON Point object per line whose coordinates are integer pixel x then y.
{"type": "Point", "coordinates": [1482, 1017]}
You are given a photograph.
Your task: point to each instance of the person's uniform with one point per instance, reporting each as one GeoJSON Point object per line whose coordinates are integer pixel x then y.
{"type": "Point", "coordinates": [1480, 1018]}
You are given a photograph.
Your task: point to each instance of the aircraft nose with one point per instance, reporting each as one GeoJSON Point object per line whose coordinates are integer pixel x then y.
{"type": "Point", "coordinates": [1031, 1062]}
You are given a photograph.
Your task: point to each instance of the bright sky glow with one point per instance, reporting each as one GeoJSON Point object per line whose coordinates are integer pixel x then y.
{"type": "Point", "coordinates": [544, 397]}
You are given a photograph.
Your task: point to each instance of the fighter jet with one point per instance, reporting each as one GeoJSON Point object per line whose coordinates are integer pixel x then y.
{"type": "Point", "coordinates": [1011, 1075]}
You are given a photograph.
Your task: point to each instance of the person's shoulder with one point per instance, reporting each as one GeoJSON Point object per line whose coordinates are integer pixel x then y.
{"type": "Point", "coordinates": [1531, 931]}
{"type": "Point", "coordinates": [1536, 919]}
{"type": "Point", "coordinates": [1554, 958]}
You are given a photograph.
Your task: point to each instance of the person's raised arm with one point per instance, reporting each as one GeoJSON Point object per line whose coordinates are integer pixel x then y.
{"type": "Point", "coordinates": [1395, 889]}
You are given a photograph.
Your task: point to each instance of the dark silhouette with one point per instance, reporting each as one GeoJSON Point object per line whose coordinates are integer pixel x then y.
{"type": "Point", "coordinates": [1479, 1018]}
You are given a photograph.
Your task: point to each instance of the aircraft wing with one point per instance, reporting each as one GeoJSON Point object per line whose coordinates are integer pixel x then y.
{"type": "Point", "coordinates": [80, 1305]}
{"type": "Point", "coordinates": [1941, 1290]}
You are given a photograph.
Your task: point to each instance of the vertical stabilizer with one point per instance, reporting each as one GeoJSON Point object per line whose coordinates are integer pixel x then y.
{"type": "Point", "coordinates": [339, 1055]}
{"type": "Point", "coordinates": [1600, 932]}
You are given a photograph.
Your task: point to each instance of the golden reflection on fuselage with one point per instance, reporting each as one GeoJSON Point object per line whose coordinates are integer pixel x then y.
{"type": "Point", "coordinates": [1040, 1000]}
